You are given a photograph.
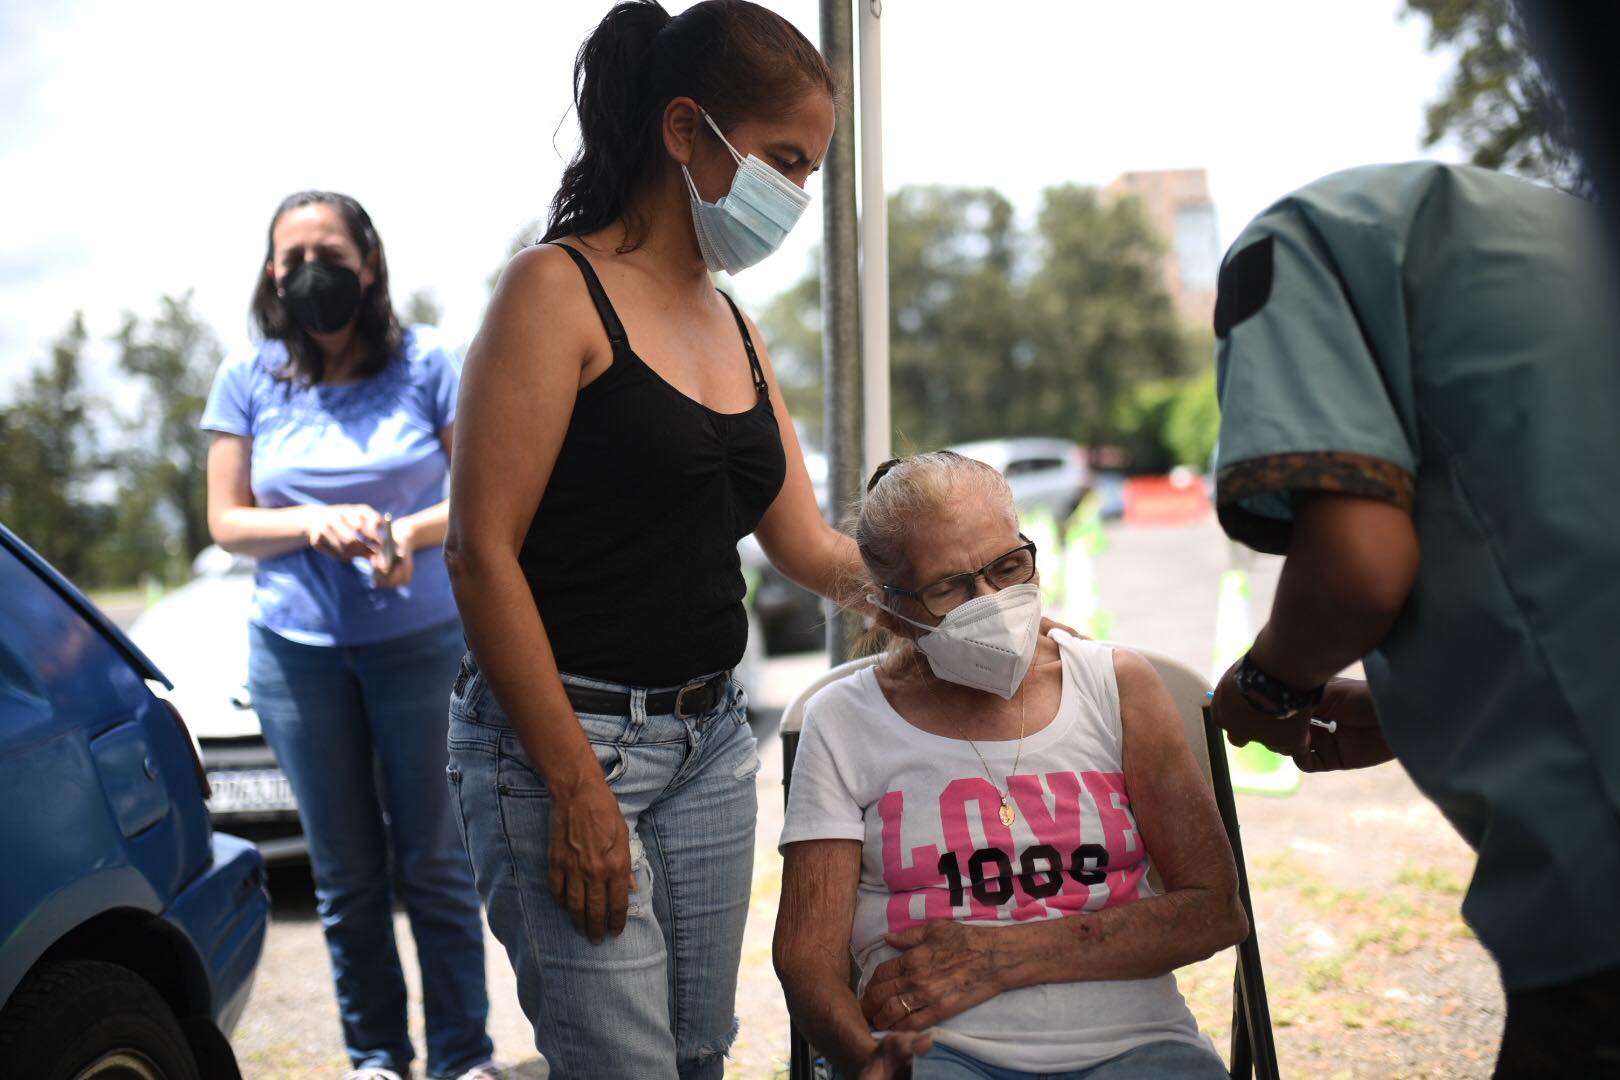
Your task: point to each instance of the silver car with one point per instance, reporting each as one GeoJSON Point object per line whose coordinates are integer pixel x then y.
{"type": "Point", "coordinates": [1042, 472]}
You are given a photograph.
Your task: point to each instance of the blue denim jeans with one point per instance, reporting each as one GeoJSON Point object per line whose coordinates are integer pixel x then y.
{"type": "Point", "coordinates": [360, 733]}
{"type": "Point", "coordinates": [657, 1001]}
{"type": "Point", "coordinates": [1167, 1060]}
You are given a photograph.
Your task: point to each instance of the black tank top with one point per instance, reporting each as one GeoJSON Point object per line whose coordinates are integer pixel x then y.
{"type": "Point", "coordinates": [632, 554]}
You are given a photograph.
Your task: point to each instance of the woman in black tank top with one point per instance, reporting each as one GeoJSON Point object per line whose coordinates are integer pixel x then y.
{"type": "Point", "coordinates": [619, 431]}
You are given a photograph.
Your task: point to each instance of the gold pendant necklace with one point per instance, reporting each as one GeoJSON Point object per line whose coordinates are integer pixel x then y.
{"type": "Point", "coordinates": [1006, 813]}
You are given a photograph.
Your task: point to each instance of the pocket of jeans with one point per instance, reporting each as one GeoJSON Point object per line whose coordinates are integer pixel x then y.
{"type": "Point", "coordinates": [468, 693]}
{"type": "Point", "coordinates": [452, 776]}
{"type": "Point", "coordinates": [739, 702]}
{"type": "Point", "coordinates": [518, 775]}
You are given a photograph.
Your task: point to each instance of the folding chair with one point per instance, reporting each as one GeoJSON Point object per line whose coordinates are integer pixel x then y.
{"type": "Point", "coordinates": [1253, 1054]}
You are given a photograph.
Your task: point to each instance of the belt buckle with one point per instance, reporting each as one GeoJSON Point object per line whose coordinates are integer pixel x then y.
{"type": "Point", "coordinates": [680, 699]}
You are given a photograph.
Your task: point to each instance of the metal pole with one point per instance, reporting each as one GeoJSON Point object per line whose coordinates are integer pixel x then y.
{"type": "Point", "coordinates": [874, 244]}
{"type": "Point", "coordinates": [841, 330]}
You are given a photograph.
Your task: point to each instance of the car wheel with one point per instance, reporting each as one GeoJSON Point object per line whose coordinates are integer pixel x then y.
{"type": "Point", "coordinates": [87, 1020]}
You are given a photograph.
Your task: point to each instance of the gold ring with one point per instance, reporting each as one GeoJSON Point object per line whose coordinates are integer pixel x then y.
{"type": "Point", "coordinates": [906, 1005]}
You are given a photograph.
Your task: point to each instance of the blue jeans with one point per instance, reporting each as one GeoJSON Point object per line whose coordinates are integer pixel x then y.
{"type": "Point", "coordinates": [657, 1001]}
{"type": "Point", "coordinates": [360, 732]}
{"type": "Point", "coordinates": [1167, 1060]}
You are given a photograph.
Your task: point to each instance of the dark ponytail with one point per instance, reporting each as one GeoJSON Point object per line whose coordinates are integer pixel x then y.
{"type": "Point", "coordinates": [736, 59]}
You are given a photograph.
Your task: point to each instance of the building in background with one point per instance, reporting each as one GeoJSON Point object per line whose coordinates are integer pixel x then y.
{"type": "Point", "coordinates": [1179, 208]}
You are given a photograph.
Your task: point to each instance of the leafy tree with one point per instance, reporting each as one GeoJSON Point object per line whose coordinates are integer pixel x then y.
{"type": "Point", "coordinates": [791, 322]}
{"type": "Point", "coordinates": [421, 309]}
{"type": "Point", "coordinates": [47, 460]}
{"type": "Point", "coordinates": [174, 357]}
{"type": "Point", "coordinates": [955, 339]}
{"type": "Point", "coordinates": [1103, 318]}
{"type": "Point", "coordinates": [992, 334]}
{"type": "Point", "coordinates": [1499, 105]}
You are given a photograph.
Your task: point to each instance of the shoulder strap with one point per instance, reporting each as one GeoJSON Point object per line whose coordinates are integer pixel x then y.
{"type": "Point", "coordinates": [748, 343]}
{"type": "Point", "coordinates": [604, 307]}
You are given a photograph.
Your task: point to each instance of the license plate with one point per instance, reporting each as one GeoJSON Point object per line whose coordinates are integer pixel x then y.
{"type": "Point", "coordinates": [252, 791]}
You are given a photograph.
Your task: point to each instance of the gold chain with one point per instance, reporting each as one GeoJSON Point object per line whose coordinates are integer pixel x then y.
{"type": "Point", "coordinates": [1007, 814]}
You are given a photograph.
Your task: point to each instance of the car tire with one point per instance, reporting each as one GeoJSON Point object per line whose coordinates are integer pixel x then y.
{"type": "Point", "coordinates": [88, 1019]}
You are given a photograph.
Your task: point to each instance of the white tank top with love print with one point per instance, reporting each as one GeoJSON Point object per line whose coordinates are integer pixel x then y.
{"type": "Point", "coordinates": [934, 846]}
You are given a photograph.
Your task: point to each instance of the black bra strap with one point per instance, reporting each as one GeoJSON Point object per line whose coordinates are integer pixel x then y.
{"type": "Point", "coordinates": [748, 343]}
{"type": "Point", "coordinates": [604, 307]}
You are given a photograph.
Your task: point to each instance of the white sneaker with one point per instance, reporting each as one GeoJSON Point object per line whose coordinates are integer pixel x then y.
{"type": "Point", "coordinates": [489, 1070]}
{"type": "Point", "coordinates": [372, 1073]}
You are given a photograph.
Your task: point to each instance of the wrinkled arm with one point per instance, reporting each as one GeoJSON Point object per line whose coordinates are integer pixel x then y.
{"type": "Point", "coordinates": [811, 949]}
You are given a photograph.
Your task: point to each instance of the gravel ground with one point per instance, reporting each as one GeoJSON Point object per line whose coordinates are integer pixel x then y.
{"type": "Point", "coordinates": [1356, 877]}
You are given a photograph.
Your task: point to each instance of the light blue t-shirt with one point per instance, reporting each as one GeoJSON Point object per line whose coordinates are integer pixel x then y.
{"type": "Point", "coordinates": [374, 442]}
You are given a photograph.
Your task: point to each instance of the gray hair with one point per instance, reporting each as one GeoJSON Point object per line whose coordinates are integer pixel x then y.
{"type": "Point", "coordinates": [907, 490]}
{"type": "Point", "coordinates": [902, 493]}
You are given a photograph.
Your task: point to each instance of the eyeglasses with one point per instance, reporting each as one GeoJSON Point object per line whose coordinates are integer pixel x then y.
{"type": "Point", "coordinates": [947, 594]}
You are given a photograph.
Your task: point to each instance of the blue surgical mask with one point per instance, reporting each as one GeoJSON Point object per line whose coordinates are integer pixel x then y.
{"type": "Point", "coordinates": [752, 219]}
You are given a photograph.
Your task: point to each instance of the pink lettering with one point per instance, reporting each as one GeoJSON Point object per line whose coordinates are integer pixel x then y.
{"type": "Point", "coordinates": [904, 881]}
{"type": "Point", "coordinates": [1058, 828]}
{"type": "Point", "coordinates": [953, 821]}
{"type": "Point", "coordinates": [1126, 864]}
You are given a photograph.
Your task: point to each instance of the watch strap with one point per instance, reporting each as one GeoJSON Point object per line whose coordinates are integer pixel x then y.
{"type": "Point", "coordinates": [1272, 696]}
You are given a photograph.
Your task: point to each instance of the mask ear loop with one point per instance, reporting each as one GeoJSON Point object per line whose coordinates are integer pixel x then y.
{"type": "Point", "coordinates": [723, 140]}
{"type": "Point", "coordinates": [877, 601]}
{"type": "Point", "coordinates": [691, 186]}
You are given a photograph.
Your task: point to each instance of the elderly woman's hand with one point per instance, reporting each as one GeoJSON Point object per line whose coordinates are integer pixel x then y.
{"type": "Point", "coordinates": [892, 1058]}
{"type": "Point", "coordinates": [944, 969]}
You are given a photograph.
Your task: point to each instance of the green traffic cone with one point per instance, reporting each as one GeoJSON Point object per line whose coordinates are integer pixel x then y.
{"type": "Point", "coordinates": [1255, 769]}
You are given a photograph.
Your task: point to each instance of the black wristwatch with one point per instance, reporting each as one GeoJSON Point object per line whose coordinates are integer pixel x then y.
{"type": "Point", "coordinates": [1272, 697]}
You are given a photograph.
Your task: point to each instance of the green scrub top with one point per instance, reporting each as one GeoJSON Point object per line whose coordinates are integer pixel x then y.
{"type": "Point", "coordinates": [1446, 339]}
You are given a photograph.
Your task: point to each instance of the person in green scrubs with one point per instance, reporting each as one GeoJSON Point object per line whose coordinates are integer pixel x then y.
{"type": "Point", "coordinates": [1419, 378]}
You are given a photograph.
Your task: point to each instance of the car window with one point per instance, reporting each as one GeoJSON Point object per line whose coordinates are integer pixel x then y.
{"type": "Point", "coordinates": [1025, 466]}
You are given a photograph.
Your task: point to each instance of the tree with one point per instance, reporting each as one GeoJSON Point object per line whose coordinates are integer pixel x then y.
{"type": "Point", "coordinates": [421, 309]}
{"type": "Point", "coordinates": [1499, 105]}
{"type": "Point", "coordinates": [791, 323]}
{"type": "Point", "coordinates": [175, 357]}
{"type": "Point", "coordinates": [1103, 320]}
{"type": "Point", "coordinates": [988, 341]}
{"type": "Point", "coordinates": [47, 459]}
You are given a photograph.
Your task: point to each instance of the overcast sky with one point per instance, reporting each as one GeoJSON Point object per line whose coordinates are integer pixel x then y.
{"type": "Point", "coordinates": [144, 146]}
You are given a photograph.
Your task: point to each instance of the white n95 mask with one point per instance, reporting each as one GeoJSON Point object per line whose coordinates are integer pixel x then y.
{"type": "Point", "coordinates": [988, 643]}
{"type": "Point", "coordinates": [752, 219]}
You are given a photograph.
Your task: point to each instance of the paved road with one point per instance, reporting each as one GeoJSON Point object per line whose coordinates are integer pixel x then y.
{"type": "Point", "coordinates": [1160, 586]}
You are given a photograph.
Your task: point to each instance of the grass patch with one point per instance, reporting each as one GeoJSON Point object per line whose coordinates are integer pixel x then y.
{"type": "Point", "coordinates": [1324, 975]}
{"type": "Point", "coordinates": [1431, 879]}
{"type": "Point", "coordinates": [1355, 1014]}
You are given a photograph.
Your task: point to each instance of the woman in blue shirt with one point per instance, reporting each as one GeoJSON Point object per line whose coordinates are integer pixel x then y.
{"type": "Point", "coordinates": [328, 465]}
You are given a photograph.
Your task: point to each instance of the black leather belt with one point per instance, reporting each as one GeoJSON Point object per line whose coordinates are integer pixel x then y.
{"type": "Point", "coordinates": [691, 700]}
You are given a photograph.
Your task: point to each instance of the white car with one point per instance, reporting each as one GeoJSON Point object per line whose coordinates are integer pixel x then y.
{"type": "Point", "coordinates": [198, 636]}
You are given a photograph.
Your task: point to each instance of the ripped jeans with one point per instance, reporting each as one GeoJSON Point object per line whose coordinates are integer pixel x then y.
{"type": "Point", "coordinates": [658, 1000]}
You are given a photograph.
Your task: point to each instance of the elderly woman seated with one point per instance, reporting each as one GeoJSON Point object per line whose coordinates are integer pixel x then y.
{"type": "Point", "coordinates": [973, 820]}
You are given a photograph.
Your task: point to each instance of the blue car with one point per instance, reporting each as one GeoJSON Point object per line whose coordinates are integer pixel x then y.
{"type": "Point", "coordinates": [129, 930]}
